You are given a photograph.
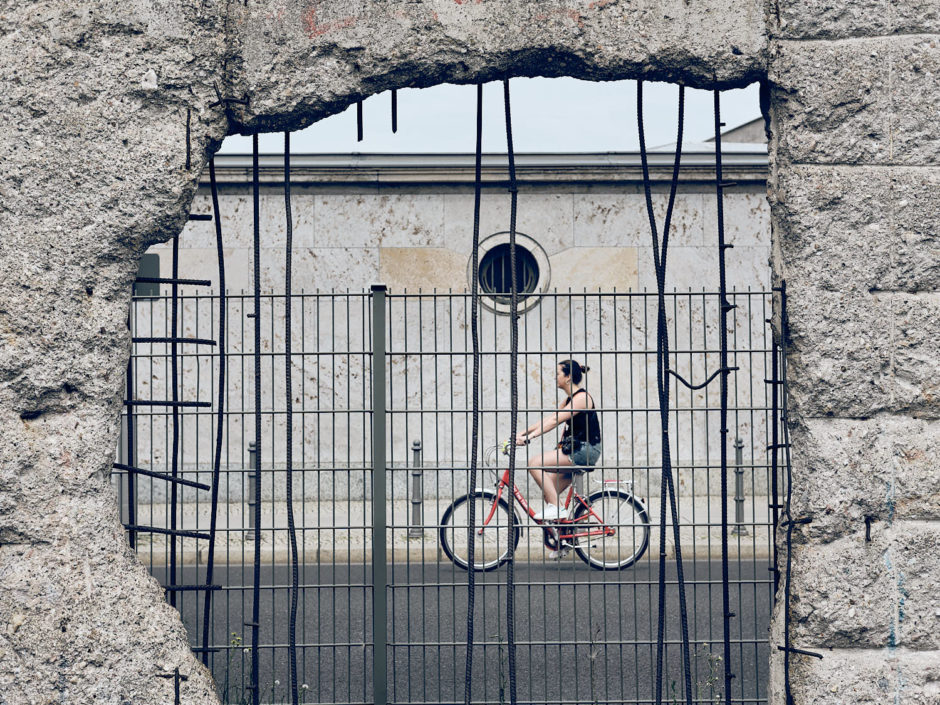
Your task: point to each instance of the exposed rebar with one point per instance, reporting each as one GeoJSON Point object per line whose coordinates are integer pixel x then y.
{"type": "Point", "coordinates": [667, 490]}
{"type": "Point", "coordinates": [475, 432]}
{"type": "Point", "coordinates": [514, 396]}
{"type": "Point", "coordinates": [725, 308]}
{"type": "Point", "coordinates": [220, 417]}
{"type": "Point", "coordinates": [291, 529]}
{"type": "Point", "coordinates": [256, 578]}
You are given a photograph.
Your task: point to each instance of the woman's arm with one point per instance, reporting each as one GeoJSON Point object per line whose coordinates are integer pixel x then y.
{"type": "Point", "coordinates": [565, 411]}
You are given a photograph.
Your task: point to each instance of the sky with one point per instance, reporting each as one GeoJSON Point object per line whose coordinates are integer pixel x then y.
{"type": "Point", "coordinates": [548, 115]}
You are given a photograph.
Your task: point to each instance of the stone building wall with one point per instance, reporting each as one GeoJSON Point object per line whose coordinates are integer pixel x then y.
{"type": "Point", "coordinates": [591, 228]}
{"type": "Point", "coordinates": [407, 220]}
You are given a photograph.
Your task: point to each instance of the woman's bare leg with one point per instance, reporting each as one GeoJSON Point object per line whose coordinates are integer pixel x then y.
{"type": "Point", "coordinates": [552, 483]}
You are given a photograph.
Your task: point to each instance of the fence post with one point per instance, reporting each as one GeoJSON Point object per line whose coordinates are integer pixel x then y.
{"type": "Point", "coordinates": [417, 492]}
{"type": "Point", "coordinates": [379, 556]}
{"type": "Point", "coordinates": [739, 527]}
{"type": "Point", "coordinates": [250, 478]}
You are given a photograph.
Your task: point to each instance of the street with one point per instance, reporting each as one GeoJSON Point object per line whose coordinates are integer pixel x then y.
{"type": "Point", "coordinates": [581, 635]}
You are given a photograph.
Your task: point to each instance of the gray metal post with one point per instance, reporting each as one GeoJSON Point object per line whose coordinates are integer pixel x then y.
{"type": "Point", "coordinates": [417, 492]}
{"type": "Point", "coordinates": [250, 479]}
{"type": "Point", "coordinates": [739, 527]}
{"type": "Point", "coordinates": [379, 553]}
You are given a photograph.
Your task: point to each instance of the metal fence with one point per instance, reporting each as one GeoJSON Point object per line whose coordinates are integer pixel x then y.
{"type": "Point", "coordinates": [581, 635]}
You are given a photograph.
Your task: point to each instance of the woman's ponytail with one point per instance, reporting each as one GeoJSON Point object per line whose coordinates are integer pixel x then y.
{"type": "Point", "coordinates": [573, 369]}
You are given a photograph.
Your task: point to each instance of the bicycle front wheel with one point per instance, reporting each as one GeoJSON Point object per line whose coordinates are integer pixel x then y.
{"type": "Point", "coordinates": [613, 532]}
{"type": "Point", "coordinates": [492, 520]}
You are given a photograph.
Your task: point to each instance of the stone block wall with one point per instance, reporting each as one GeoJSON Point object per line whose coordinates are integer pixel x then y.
{"type": "Point", "coordinates": [855, 167]}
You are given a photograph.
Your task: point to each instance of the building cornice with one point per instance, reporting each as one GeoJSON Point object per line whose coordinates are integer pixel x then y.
{"type": "Point", "coordinates": [740, 163]}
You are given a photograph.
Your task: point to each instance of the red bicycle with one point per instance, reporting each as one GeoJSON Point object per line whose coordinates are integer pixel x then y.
{"type": "Point", "coordinates": [609, 529]}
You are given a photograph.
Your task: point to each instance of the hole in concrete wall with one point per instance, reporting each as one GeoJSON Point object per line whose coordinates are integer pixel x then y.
{"type": "Point", "coordinates": [395, 215]}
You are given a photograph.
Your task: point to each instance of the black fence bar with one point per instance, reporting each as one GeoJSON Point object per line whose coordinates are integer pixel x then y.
{"type": "Point", "coordinates": [379, 490]}
{"type": "Point", "coordinates": [131, 448]}
{"type": "Point", "coordinates": [171, 404]}
{"type": "Point", "coordinates": [192, 588]}
{"type": "Point", "coordinates": [192, 341]}
{"type": "Point", "coordinates": [181, 533]}
{"type": "Point", "coordinates": [775, 505]}
{"type": "Point", "coordinates": [566, 610]}
{"type": "Point", "coordinates": [173, 280]}
{"type": "Point", "coordinates": [131, 471]}
{"type": "Point", "coordinates": [256, 573]}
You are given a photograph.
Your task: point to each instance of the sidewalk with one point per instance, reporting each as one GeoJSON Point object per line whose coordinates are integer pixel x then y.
{"type": "Point", "coordinates": [340, 532]}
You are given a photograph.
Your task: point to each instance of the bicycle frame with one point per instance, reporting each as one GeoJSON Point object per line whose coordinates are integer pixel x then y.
{"type": "Point", "coordinates": [559, 525]}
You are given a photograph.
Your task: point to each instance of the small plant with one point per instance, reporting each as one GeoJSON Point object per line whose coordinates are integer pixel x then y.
{"type": "Point", "coordinates": [713, 677]}
{"type": "Point", "coordinates": [234, 695]}
{"type": "Point", "coordinates": [502, 672]}
{"type": "Point", "coordinates": [592, 656]}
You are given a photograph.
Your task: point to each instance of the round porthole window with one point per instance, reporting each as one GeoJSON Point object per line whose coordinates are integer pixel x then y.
{"type": "Point", "coordinates": [532, 272]}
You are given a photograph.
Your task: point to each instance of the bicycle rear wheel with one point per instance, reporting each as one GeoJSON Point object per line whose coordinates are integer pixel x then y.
{"type": "Point", "coordinates": [618, 528]}
{"type": "Point", "coordinates": [491, 539]}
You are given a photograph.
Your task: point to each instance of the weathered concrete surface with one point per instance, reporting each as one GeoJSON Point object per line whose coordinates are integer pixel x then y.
{"type": "Point", "coordinates": [893, 676]}
{"type": "Point", "coordinates": [854, 154]}
{"type": "Point", "coordinates": [890, 460]}
{"type": "Point", "coordinates": [300, 59]}
{"type": "Point", "coordinates": [819, 19]}
{"type": "Point", "coordinates": [864, 593]}
{"type": "Point", "coordinates": [94, 170]}
{"type": "Point", "coordinates": [858, 101]}
{"type": "Point", "coordinates": [97, 98]}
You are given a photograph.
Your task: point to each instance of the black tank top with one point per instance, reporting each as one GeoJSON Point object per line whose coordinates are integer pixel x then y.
{"type": "Point", "coordinates": [586, 426]}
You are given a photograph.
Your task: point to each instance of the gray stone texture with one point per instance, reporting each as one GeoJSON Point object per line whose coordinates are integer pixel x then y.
{"type": "Point", "coordinates": [848, 470]}
{"type": "Point", "coordinates": [859, 593]}
{"type": "Point", "coordinates": [889, 676]}
{"type": "Point", "coordinates": [861, 101]}
{"type": "Point", "coordinates": [854, 229]}
{"type": "Point", "coordinates": [854, 149]}
{"type": "Point", "coordinates": [97, 98]}
{"type": "Point", "coordinates": [884, 357]}
{"type": "Point", "coordinates": [819, 19]}
{"type": "Point", "coordinates": [840, 348]}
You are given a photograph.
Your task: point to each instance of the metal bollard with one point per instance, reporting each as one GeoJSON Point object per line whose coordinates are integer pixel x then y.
{"type": "Point", "coordinates": [739, 527]}
{"type": "Point", "coordinates": [250, 479]}
{"type": "Point", "coordinates": [417, 492]}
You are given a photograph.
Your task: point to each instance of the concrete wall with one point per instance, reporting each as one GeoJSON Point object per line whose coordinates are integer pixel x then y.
{"type": "Point", "coordinates": [98, 98]}
{"type": "Point", "coordinates": [854, 154]}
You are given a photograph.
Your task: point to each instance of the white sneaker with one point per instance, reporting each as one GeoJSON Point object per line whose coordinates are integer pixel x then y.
{"type": "Point", "coordinates": [549, 513]}
{"type": "Point", "coordinates": [560, 553]}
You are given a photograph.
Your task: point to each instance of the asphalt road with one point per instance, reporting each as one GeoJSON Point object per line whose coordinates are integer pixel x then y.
{"type": "Point", "coordinates": [581, 635]}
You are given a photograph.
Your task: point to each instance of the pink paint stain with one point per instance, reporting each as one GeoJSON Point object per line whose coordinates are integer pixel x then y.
{"type": "Point", "coordinates": [576, 16]}
{"type": "Point", "coordinates": [316, 28]}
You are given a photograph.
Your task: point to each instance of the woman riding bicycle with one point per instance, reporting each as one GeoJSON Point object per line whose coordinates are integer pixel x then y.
{"type": "Point", "coordinates": [580, 443]}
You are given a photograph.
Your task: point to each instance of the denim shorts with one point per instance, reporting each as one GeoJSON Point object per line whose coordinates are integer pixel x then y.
{"type": "Point", "coordinates": [587, 454]}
